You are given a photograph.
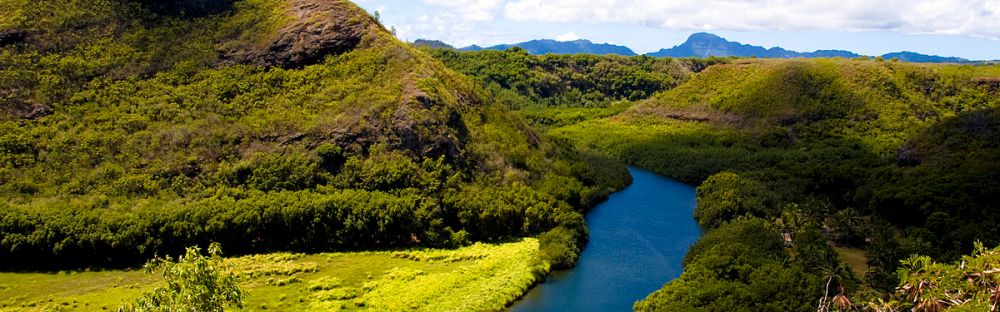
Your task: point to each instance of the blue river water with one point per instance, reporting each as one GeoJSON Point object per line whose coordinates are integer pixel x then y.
{"type": "Point", "coordinates": [638, 239]}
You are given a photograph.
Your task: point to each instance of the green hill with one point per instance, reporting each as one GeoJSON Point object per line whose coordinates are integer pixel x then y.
{"type": "Point", "coordinates": [130, 128]}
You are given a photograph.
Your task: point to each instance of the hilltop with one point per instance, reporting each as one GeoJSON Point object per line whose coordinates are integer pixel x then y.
{"type": "Point", "coordinates": [131, 128]}
{"type": "Point", "coordinates": [434, 44]}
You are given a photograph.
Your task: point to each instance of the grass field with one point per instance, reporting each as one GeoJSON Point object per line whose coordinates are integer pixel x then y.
{"type": "Point", "coordinates": [482, 277]}
{"type": "Point", "coordinates": [854, 257]}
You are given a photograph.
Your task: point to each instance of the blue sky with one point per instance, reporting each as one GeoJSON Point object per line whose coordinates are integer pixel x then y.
{"type": "Point", "coordinates": [963, 28]}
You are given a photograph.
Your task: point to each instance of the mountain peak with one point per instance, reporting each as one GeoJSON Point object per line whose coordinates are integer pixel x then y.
{"type": "Point", "coordinates": [704, 44]}
{"type": "Point", "coordinates": [704, 36]}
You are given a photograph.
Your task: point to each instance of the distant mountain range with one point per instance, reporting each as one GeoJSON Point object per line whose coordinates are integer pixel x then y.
{"type": "Point", "coordinates": [697, 45]}
{"type": "Point", "coordinates": [706, 44]}
{"type": "Point", "coordinates": [561, 47]}
{"type": "Point", "coordinates": [923, 58]}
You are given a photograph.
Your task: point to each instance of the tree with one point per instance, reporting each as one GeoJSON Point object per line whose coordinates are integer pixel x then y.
{"type": "Point", "coordinates": [726, 196]}
{"type": "Point", "coordinates": [194, 283]}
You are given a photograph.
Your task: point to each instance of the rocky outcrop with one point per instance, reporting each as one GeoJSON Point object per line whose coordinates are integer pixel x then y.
{"type": "Point", "coordinates": [187, 8]}
{"type": "Point", "coordinates": [11, 37]}
{"type": "Point", "coordinates": [315, 29]}
{"type": "Point", "coordinates": [25, 110]}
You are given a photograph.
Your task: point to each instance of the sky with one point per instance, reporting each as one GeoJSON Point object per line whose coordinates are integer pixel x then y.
{"type": "Point", "coordinates": [962, 28]}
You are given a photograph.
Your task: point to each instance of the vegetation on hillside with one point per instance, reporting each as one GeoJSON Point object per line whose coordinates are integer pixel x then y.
{"type": "Point", "coordinates": [131, 128]}
{"type": "Point", "coordinates": [557, 90]}
{"type": "Point", "coordinates": [970, 285]}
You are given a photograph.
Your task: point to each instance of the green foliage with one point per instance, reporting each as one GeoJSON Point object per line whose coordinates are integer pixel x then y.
{"type": "Point", "coordinates": [926, 285]}
{"type": "Point", "coordinates": [741, 266]}
{"type": "Point", "coordinates": [751, 232]}
{"type": "Point", "coordinates": [522, 81]}
{"type": "Point", "coordinates": [194, 283]}
{"type": "Point", "coordinates": [560, 247]}
{"type": "Point", "coordinates": [727, 196]}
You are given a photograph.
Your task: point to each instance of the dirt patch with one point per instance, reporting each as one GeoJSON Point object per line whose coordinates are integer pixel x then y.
{"type": "Point", "coordinates": [986, 80]}
{"type": "Point", "coordinates": [855, 258]}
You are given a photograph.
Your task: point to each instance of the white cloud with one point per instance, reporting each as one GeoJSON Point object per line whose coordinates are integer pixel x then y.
{"type": "Point", "coordinates": [450, 28]}
{"type": "Point", "coordinates": [570, 36]}
{"type": "Point", "coordinates": [979, 18]}
{"type": "Point", "coordinates": [468, 10]}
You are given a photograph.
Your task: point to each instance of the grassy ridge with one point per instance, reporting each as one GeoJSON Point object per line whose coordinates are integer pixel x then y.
{"type": "Point", "coordinates": [482, 277]}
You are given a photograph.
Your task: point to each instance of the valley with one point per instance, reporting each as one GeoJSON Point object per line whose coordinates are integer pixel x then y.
{"type": "Point", "coordinates": [342, 169]}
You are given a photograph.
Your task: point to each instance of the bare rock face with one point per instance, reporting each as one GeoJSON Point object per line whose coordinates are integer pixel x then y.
{"type": "Point", "coordinates": [317, 29]}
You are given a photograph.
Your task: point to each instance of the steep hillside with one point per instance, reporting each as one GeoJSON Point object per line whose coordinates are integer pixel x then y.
{"type": "Point", "coordinates": [130, 128]}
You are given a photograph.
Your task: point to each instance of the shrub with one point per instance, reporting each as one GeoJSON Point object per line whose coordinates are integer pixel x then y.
{"type": "Point", "coordinates": [560, 247]}
{"type": "Point", "coordinates": [194, 283]}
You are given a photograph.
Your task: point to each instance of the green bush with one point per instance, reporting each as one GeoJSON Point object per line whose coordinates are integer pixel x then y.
{"type": "Point", "coordinates": [560, 247]}
{"type": "Point", "coordinates": [194, 283]}
{"type": "Point", "coordinates": [726, 196]}
{"type": "Point", "coordinates": [740, 266]}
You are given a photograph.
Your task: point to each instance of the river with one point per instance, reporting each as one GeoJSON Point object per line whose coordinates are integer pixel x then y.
{"type": "Point", "coordinates": [638, 239]}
